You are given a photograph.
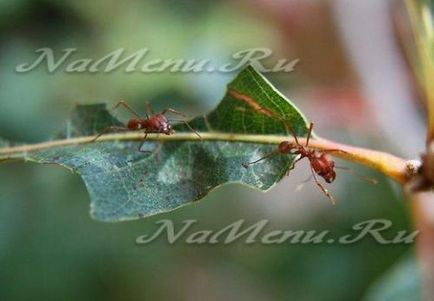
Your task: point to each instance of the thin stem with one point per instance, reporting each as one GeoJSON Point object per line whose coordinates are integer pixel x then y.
{"type": "Point", "coordinates": [422, 27]}
{"type": "Point", "coordinates": [422, 202]}
{"type": "Point", "coordinates": [388, 164]}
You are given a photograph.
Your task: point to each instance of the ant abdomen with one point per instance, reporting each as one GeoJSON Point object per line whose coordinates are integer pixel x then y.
{"type": "Point", "coordinates": [329, 176]}
{"type": "Point", "coordinates": [134, 124]}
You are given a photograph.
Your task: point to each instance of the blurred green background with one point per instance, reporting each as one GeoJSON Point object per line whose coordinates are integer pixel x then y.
{"type": "Point", "coordinates": [50, 249]}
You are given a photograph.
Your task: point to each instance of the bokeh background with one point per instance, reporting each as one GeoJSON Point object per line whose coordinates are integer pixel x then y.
{"type": "Point", "coordinates": [353, 80]}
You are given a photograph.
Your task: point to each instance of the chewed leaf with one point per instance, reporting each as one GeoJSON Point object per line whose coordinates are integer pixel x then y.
{"type": "Point", "coordinates": [87, 120]}
{"type": "Point", "coordinates": [125, 184]}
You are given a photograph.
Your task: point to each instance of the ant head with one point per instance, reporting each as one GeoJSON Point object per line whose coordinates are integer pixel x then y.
{"type": "Point", "coordinates": [135, 124]}
{"type": "Point", "coordinates": [166, 128]}
{"type": "Point", "coordinates": [169, 129]}
{"type": "Point", "coordinates": [285, 147]}
{"type": "Point", "coordinates": [330, 176]}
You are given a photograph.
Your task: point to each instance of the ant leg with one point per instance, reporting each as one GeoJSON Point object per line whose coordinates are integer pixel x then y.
{"type": "Point", "coordinates": [257, 107]}
{"type": "Point", "coordinates": [149, 151]}
{"type": "Point", "coordinates": [173, 111]}
{"type": "Point", "coordinates": [183, 115]}
{"type": "Point", "coordinates": [309, 134]}
{"type": "Point", "coordinates": [291, 130]}
{"type": "Point", "coordinates": [149, 110]}
{"type": "Point", "coordinates": [293, 165]}
{"type": "Point", "coordinates": [189, 126]}
{"type": "Point", "coordinates": [325, 190]}
{"type": "Point", "coordinates": [108, 129]}
{"type": "Point", "coordinates": [158, 150]}
{"type": "Point", "coordinates": [267, 156]}
{"type": "Point", "coordinates": [141, 143]}
{"type": "Point", "coordinates": [192, 129]}
{"type": "Point", "coordinates": [130, 109]}
{"type": "Point", "coordinates": [349, 170]}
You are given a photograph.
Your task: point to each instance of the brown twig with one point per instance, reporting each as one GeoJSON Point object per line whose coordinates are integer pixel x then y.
{"type": "Point", "coordinates": [390, 165]}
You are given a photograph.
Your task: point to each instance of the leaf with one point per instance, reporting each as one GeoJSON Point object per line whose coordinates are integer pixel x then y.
{"type": "Point", "coordinates": [4, 143]}
{"type": "Point", "coordinates": [87, 120]}
{"type": "Point", "coordinates": [126, 184]}
{"type": "Point", "coordinates": [402, 282]}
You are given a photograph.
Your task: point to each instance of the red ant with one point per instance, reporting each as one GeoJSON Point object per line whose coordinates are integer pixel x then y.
{"type": "Point", "coordinates": [153, 123]}
{"type": "Point", "coordinates": [320, 162]}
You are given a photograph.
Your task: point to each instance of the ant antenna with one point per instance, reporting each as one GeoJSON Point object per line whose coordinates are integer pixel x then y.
{"type": "Point", "coordinates": [185, 122]}
{"type": "Point", "coordinates": [325, 190]}
{"type": "Point", "coordinates": [309, 134]}
{"type": "Point", "coordinates": [126, 106]}
{"type": "Point", "coordinates": [291, 130]}
{"type": "Point", "coordinates": [148, 109]}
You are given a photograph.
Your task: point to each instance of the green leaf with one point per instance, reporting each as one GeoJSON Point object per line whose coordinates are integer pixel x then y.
{"type": "Point", "coordinates": [4, 143]}
{"type": "Point", "coordinates": [403, 282]}
{"type": "Point", "coordinates": [126, 184]}
{"type": "Point", "coordinates": [87, 120]}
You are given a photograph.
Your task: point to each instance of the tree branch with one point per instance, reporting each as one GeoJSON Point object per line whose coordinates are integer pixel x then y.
{"type": "Point", "coordinates": [422, 26]}
{"type": "Point", "coordinates": [392, 166]}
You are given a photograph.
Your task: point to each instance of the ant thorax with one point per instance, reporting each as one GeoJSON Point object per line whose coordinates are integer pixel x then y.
{"type": "Point", "coordinates": [323, 166]}
{"type": "Point", "coordinates": [158, 124]}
